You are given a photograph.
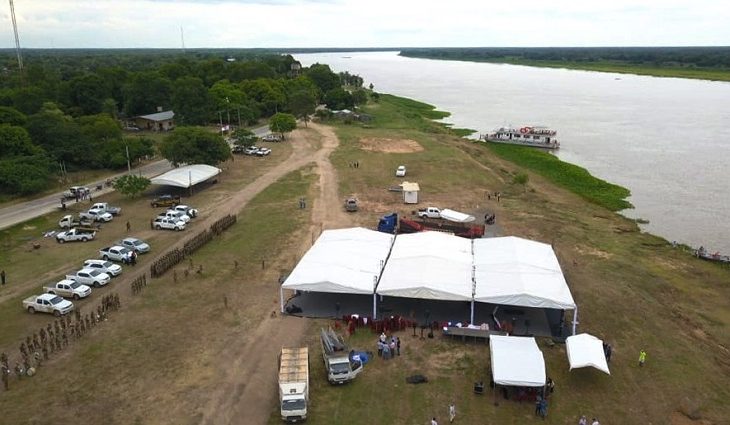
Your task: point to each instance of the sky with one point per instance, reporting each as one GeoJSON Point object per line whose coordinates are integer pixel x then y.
{"type": "Point", "coordinates": [365, 23]}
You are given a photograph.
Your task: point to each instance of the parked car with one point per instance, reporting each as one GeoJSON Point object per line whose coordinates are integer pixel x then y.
{"type": "Point", "coordinates": [73, 191]}
{"type": "Point", "coordinates": [105, 207]}
{"type": "Point", "coordinates": [175, 215]}
{"type": "Point", "coordinates": [168, 223]}
{"type": "Point", "coordinates": [114, 253]}
{"type": "Point", "coordinates": [350, 204]}
{"type": "Point", "coordinates": [68, 289]}
{"type": "Point", "coordinates": [90, 277]}
{"type": "Point", "coordinates": [165, 201]}
{"type": "Point", "coordinates": [96, 215]}
{"type": "Point", "coordinates": [137, 245]}
{"type": "Point", "coordinates": [401, 171]}
{"type": "Point", "coordinates": [48, 303]}
{"type": "Point", "coordinates": [192, 212]}
{"type": "Point", "coordinates": [238, 149]}
{"type": "Point", "coordinates": [251, 150]}
{"type": "Point", "coordinates": [104, 266]}
{"type": "Point", "coordinates": [76, 234]}
{"type": "Point", "coordinates": [271, 137]}
{"type": "Point", "coordinates": [263, 151]}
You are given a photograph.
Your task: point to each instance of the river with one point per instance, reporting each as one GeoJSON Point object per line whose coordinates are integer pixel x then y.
{"type": "Point", "coordinates": [662, 138]}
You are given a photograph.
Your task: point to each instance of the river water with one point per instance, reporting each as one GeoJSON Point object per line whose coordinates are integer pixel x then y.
{"type": "Point", "coordinates": [665, 139]}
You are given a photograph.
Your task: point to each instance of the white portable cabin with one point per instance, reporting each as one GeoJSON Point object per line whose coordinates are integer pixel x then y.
{"type": "Point", "coordinates": [410, 192]}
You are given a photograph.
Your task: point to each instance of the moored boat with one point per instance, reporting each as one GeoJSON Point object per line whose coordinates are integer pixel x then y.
{"type": "Point", "coordinates": [536, 137]}
{"type": "Point", "coordinates": [705, 255]}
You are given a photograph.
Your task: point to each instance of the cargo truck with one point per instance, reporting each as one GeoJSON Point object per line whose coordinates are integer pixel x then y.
{"type": "Point", "coordinates": [294, 383]}
{"type": "Point", "coordinates": [338, 358]}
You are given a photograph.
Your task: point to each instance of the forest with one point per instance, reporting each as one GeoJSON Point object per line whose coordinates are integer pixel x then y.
{"type": "Point", "coordinates": [70, 109]}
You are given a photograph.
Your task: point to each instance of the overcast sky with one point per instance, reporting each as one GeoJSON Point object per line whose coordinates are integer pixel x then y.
{"type": "Point", "coordinates": [366, 23]}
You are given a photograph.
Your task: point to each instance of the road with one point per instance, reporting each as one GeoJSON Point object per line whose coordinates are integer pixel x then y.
{"type": "Point", "coordinates": [24, 211]}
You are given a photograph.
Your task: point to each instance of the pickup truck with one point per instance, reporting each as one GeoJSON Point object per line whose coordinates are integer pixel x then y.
{"type": "Point", "coordinates": [338, 363]}
{"type": "Point", "coordinates": [135, 244]}
{"type": "Point", "coordinates": [68, 222]}
{"type": "Point", "coordinates": [75, 235]}
{"type": "Point", "coordinates": [76, 190]}
{"type": "Point", "coordinates": [104, 266]}
{"type": "Point", "coordinates": [90, 277]}
{"type": "Point", "coordinates": [68, 289]}
{"type": "Point", "coordinates": [96, 215]}
{"type": "Point", "coordinates": [430, 212]}
{"type": "Point", "coordinates": [351, 205]}
{"type": "Point", "coordinates": [187, 210]}
{"type": "Point", "coordinates": [175, 215]}
{"type": "Point", "coordinates": [48, 303]}
{"type": "Point", "coordinates": [169, 224]}
{"type": "Point", "coordinates": [104, 207]}
{"type": "Point", "coordinates": [165, 201]}
{"type": "Point", "coordinates": [114, 253]}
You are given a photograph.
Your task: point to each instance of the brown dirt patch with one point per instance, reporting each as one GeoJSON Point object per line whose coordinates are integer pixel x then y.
{"type": "Point", "coordinates": [678, 418]}
{"type": "Point", "coordinates": [382, 144]}
{"type": "Point", "coordinates": [595, 252]}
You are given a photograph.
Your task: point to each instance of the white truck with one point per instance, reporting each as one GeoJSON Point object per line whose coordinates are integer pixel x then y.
{"type": "Point", "coordinates": [175, 215]}
{"type": "Point", "coordinates": [73, 191]}
{"type": "Point", "coordinates": [68, 222]}
{"type": "Point", "coordinates": [76, 234]}
{"type": "Point", "coordinates": [114, 253]}
{"type": "Point", "coordinates": [90, 277]}
{"type": "Point", "coordinates": [105, 207]}
{"type": "Point", "coordinates": [68, 289]}
{"type": "Point", "coordinates": [294, 383]}
{"type": "Point", "coordinates": [430, 212]}
{"type": "Point", "coordinates": [96, 215]}
{"type": "Point", "coordinates": [338, 361]}
{"type": "Point", "coordinates": [168, 223]}
{"type": "Point", "coordinates": [48, 303]}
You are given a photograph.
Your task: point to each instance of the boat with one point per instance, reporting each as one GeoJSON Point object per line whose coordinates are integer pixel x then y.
{"type": "Point", "coordinates": [536, 137]}
{"type": "Point", "coordinates": [705, 255]}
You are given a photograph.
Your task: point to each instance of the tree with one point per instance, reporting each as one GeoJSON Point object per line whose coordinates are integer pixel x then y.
{"type": "Point", "coordinates": [58, 134]}
{"type": "Point", "coordinates": [24, 167]}
{"type": "Point", "coordinates": [244, 137]}
{"type": "Point", "coordinates": [359, 97]}
{"type": "Point", "coordinates": [302, 105]}
{"type": "Point", "coordinates": [190, 101]}
{"type": "Point", "coordinates": [282, 123]}
{"type": "Point", "coordinates": [12, 116]}
{"type": "Point", "coordinates": [145, 92]}
{"type": "Point", "coordinates": [131, 185]}
{"type": "Point", "coordinates": [338, 99]}
{"type": "Point", "coordinates": [88, 92]}
{"type": "Point", "coordinates": [323, 77]}
{"type": "Point", "coordinates": [194, 145]}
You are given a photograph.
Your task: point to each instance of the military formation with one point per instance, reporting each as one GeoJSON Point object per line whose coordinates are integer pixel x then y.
{"type": "Point", "coordinates": [199, 240]}
{"type": "Point", "coordinates": [219, 226]}
{"type": "Point", "coordinates": [138, 284]}
{"type": "Point", "coordinates": [54, 338]}
{"type": "Point", "coordinates": [166, 262]}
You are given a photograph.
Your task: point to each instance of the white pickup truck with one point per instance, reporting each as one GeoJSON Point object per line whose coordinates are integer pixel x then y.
{"type": "Point", "coordinates": [114, 253]}
{"type": "Point", "coordinates": [68, 222]}
{"type": "Point", "coordinates": [104, 207]}
{"type": "Point", "coordinates": [90, 277]}
{"type": "Point", "coordinates": [96, 215]}
{"type": "Point", "coordinates": [430, 212]}
{"type": "Point", "coordinates": [75, 235]}
{"type": "Point", "coordinates": [168, 223]}
{"type": "Point", "coordinates": [68, 289]}
{"type": "Point", "coordinates": [48, 303]}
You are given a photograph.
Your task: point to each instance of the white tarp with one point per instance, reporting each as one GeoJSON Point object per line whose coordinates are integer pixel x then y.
{"type": "Point", "coordinates": [516, 361]}
{"type": "Point", "coordinates": [342, 261]}
{"type": "Point", "coordinates": [586, 350]}
{"type": "Point", "coordinates": [456, 216]}
{"type": "Point", "coordinates": [429, 265]}
{"type": "Point", "coordinates": [186, 176]}
{"type": "Point", "coordinates": [519, 272]}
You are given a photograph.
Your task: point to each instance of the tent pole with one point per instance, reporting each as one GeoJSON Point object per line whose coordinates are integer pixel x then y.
{"type": "Point", "coordinates": [472, 311]}
{"type": "Point", "coordinates": [375, 306]}
{"type": "Point", "coordinates": [575, 318]}
{"type": "Point", "coordinates": [281, 298]}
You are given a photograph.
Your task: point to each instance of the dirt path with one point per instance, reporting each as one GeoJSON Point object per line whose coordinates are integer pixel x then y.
{"type": "Point", "coordinates": [247, 390]}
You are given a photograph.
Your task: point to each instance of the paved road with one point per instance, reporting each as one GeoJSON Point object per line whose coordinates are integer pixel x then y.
{"type": "Point", "coordinates": [18, 213]}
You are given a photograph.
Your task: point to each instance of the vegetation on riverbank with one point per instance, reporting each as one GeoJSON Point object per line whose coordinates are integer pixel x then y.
{"type": "Point", "coordinates": [705, 63]}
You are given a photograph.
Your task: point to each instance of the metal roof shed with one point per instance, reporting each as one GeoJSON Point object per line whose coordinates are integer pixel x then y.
{"type": "Point", "coordinates": [186, 176]}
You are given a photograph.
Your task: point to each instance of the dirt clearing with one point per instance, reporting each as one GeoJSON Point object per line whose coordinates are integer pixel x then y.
{"type": "Point", "coordinates": [381, 144]}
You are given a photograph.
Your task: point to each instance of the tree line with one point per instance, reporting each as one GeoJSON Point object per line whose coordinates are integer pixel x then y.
{"type": "Point", "coordinates": [66, 110]}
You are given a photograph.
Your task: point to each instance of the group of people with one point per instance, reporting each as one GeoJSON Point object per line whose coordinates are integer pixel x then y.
{"type": "Point", "coordinates": [584, 421]}
{"type": "Point", "coordinates": [388, 347]}
{"type": "Point", "coordinates": [139, 284]}
{"type": "Point", "coordinates": [607, 351]}
{"type": "Point", "coordinates": [130, 258]}
{"type": "Point", "coordinates": [54, 338]}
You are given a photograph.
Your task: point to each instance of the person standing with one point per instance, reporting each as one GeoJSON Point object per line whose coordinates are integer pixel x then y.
{"type": "Point", "coordinates": [642, 358]}
{"type": "Point", "coordinates": [433, 421]}
{"type": "Point", "coordinates": [397, 345]}
{"type": "Point", "coordinates": [2, 277]}
{"type": "Point", "coordinates": [595, 422]}
{"type": "Point", "coordinates": [452, 412]}
{"type": "Point", "coordinates": [583, 420]}
{"type": "Point", "coordinates": [609, 351]}
{"type": "Point", "coordinates": [129, 226]}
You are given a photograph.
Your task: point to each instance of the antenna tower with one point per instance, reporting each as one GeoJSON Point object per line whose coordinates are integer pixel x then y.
{"type": "Point", "coordinates": [182, 37]}
{"type": "Point", "coordinates": [17, 40]}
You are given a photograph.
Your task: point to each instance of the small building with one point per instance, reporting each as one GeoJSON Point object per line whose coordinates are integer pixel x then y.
{"type": "Point", "coordinates": [160, 121]}
{"type": "Point", "coordinates": [410, 192]}
{"type": "Point", "coordinates": [295, 69]}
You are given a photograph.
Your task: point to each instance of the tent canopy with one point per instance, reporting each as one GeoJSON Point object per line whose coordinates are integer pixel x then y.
{"type": "Point", "coordinates": [186, 176]}
{"type": "Point", "coordinates": [519, 272]}
{"type": "Point", "coordinates": [342, 261]}
{"type": "Point", "coordinates": [516, 361]}
{"type": "Point", "coordinates": [428, 265]}
{"type": "Point", "coordinates": [456, 216]}
{"type": "Point", "coordinates": [586, 350]}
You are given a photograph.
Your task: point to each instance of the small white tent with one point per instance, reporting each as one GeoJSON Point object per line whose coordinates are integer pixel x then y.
{"type": "Point", "coordinates": [586, 350]}
{"type": "Point", "coordinates": [516, 361]}
{"type": "Point", "coordinates": [186, 176]}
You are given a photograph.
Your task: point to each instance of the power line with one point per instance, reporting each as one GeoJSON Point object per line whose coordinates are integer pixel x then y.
{"type": "Point", "coordinates": [17, 39]}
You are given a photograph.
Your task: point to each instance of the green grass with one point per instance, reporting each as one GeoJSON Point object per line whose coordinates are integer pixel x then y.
{"type": "Point", "coordinates": [569, 176]}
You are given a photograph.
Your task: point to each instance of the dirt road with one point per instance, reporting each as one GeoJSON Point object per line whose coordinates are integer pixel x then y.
{"type": "Point", "coordinates": [247, 390]}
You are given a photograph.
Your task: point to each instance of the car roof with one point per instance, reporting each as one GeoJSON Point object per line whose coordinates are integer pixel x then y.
{"type": "Point", "coordinates": [131, 239]}
{"type": "Point", "coordinates": [118, 247]}
{"type": "Point", "coordinates": [87, 270]}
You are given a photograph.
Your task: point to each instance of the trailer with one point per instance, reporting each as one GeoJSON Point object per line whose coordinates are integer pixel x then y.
{"type": "Point", "coordinates": [391, 223]}
{"type": "Point", "coordinates": [294, 383]}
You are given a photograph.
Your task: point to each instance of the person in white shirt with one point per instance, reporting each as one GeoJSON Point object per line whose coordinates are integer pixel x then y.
{"type": "Point", "coordinates": [595, 422]}
{"type": "Point", "coordinates": [433, 421]}
{"type": "Point", "coordinates": [583, 420]}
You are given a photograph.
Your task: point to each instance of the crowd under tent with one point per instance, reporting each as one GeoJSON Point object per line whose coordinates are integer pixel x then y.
{"type": "Point", "coordinates": [516, 361]}
{"type": "Point", "coordinates": [586, 350]}
{"type": "Point", "coordinates": [344, 261]}
{"type": "Point", "coordinates": [186, 176]}
{"type": "Point", "coordinates": [520, 272]}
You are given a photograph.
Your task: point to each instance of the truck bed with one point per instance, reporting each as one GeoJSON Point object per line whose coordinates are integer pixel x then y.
{"type": "Point", "coordinates": [294, 365]}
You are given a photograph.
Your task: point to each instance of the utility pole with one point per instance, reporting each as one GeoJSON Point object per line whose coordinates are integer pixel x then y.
{"type": "Point", "coordinates": [129, 165]}
{"type": "Point", "coordinates": [17, 39]}
{"type": "Point", "coordinates": [182, 38]}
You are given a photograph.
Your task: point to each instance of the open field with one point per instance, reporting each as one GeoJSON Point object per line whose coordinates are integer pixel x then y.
{"type": "Point", "coordinates": [203, 350]}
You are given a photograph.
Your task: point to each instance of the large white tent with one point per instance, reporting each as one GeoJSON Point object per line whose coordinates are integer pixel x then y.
{"type": "Point", "coordinates": [186, 176]}
{"type": "Point", "coordinates": [516, 361]}
{"type": "Point", "coordinates": [519, 272]}
{"type": "Point", "coordinates": [342, 261]}
{"type": "Point", "coordinates": [429, 265]}
{"type": "Point", "coordinates": [586, 350]}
